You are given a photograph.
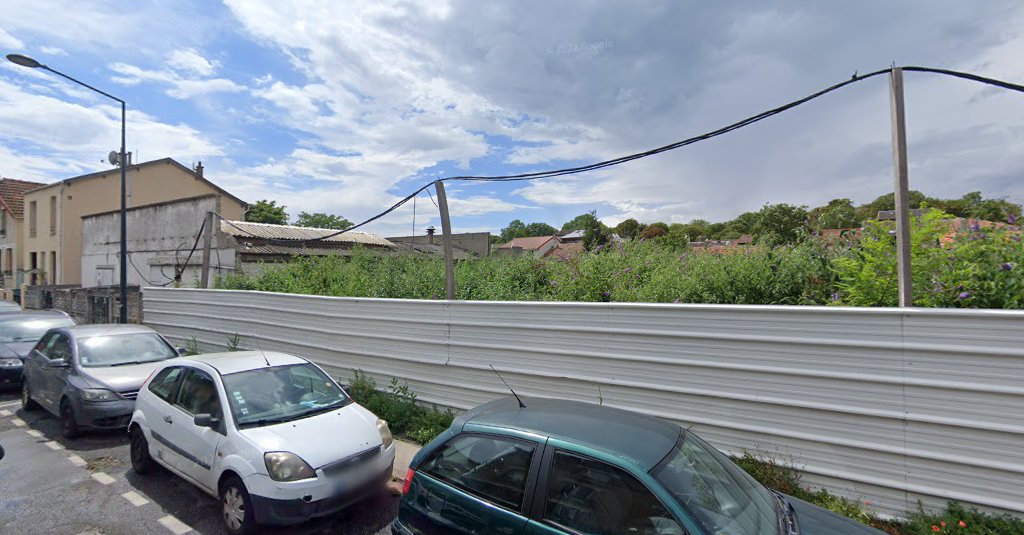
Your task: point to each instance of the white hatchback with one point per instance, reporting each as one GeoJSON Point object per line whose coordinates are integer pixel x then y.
{"type": "Point", "coordinates": [270, 434]}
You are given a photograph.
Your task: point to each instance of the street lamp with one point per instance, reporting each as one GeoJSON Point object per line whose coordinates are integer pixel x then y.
{"type": "Point", "coordinates": [26, 61]}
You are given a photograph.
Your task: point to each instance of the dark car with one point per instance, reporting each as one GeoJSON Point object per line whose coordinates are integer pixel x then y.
{"type": "Point", "coordinates": [89, 375]}
{"type": "Point", "coordinates": [563, 467]}
{"type": "Point", "coordinates": [19, 333]}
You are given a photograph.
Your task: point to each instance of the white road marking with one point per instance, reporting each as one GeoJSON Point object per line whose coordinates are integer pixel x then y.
{"type": "Point", "coordinates": [18, 422]}
{"type": "Point", "coordinates": [34, 433]}
{"type": "Point", "coordinates": [135, 498]}
{"type": "Point", "coordinates": [76, 460]}
{"type": "Point", "coordinates": [5, 412]}
{"type": "Point", "coordinates": [10, 403]}
{"type": "Point", "coordinates": [176, 526]}
{"type": "Point", "coordinates": [103, 478]}
{"type": "Point", "coordinates": [54, 445]}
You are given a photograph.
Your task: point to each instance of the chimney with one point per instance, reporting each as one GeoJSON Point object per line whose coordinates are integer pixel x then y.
{"type": "Point", "coordinates": [198, 170]}
{"type": "Point", "coordinates": [430, 234]}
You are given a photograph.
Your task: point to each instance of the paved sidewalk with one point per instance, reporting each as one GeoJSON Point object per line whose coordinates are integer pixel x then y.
{"type": "Point", "coordinates": [404, 452]}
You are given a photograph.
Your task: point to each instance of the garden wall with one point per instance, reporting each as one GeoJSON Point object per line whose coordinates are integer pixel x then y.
{"type": "Point", "coordinates": [885, 405]}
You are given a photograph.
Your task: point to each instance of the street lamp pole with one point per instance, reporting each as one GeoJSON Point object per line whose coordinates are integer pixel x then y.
{"type": "Point", "coordinates": [26, 61]}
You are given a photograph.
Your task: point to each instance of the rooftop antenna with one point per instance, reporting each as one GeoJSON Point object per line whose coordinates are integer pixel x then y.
{"type": "Point", "coordinates": [260, 347]}
{"type": "Point", "coordinates": [521, 404]}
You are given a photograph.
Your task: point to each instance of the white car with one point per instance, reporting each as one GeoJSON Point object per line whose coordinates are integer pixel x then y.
{"type": "Point", "coordinates": [270, 434]}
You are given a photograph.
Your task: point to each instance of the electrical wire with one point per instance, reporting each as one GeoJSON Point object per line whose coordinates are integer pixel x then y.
{"type": "Point", "coordinates": [143, 277]}
{"type": "Point", "coordinates": [672, 146]}
{"type": "Point", "coordinates": [177, 272]}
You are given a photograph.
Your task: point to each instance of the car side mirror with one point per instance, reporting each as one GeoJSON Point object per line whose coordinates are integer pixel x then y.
{"type": "Point", "coordinates": [1, 452]}
{"type": "Point", "coordinates": [206, 420]}
{"type": "Point", "coordinates": [182, 350]}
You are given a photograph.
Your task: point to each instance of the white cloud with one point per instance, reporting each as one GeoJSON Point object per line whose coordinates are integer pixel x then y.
{"type": "Point", "coordinates": [8, 41]}
{"type": "Point", "coordinates": [180, 87]}
{"type": "Point", "coordinates": [191, 61]}
{"type": "Point", "coordinates": [72, 136]}
{"type": "Point", "coordinates": [53, 51]}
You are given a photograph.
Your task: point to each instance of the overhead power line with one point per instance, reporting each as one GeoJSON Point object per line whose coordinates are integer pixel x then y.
{"type": "Point", "coordinates": [651, 152]}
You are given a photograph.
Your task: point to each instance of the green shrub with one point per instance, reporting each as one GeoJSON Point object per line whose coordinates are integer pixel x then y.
{"type": "Point", "coordinates": [398, 405]}
{"type": "Point", "coordinates": [959, 520]}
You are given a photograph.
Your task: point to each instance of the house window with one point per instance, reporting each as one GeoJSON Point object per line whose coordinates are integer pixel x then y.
{"type": "Point", "coordinates": [3, 222]}
{"type": "Point", "coordinates": [34, 267]}
{"type": "Point", "coordinates": [53, 267]}
{"type": "Point", "coordinates": [8, 261]}
{"type": "Point", "coordinates": [32, 219]}
{"type": "Point", "coordinates": [53, 215]}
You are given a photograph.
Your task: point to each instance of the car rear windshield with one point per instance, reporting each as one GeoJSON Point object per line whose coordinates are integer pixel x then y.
{"type": "Point", "coordinates": [722, 497]}
{"type": "Point", "coordinates": [277, 394]}
{"type": "Point", "coordinates": [123, 349]}
{"type": "Point", "coordinates": [31, 329]}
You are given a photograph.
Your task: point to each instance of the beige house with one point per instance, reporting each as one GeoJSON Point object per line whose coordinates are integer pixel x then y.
{"type": "Point", "coordinates": [11, 238]}
{"type": "Point", "coordinates": [53, 214]}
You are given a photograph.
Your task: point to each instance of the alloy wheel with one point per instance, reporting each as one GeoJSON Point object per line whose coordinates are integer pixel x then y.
{"type": "Point", "coordinates": [234, 508]}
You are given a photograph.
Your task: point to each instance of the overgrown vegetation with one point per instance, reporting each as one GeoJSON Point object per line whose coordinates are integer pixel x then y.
{"type": "Point", "coordinates": [955, 519]}
{"type": "Point", "coordinates": [399, 406]}
{"type": "Point", "coordinates": [976, 267]}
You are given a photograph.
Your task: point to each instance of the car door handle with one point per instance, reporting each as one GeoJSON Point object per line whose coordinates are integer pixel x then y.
{"type": "Point", "coordinates": [168, 419]}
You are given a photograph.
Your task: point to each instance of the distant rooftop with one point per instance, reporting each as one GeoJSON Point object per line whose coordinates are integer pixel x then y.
{"type": "Point", "coordinates": [12, 194]}
{"type": "Point", "coordinates": [246, 229]}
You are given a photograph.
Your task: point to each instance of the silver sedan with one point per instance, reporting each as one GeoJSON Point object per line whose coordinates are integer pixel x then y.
{"type": "Point", "coordinates": [89, 375]}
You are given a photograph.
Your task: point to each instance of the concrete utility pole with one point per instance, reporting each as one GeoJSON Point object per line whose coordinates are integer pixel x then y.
{"type": "Point", "coordinates": [449, 253]}
{"type": "Point", "coordinates": [204, 273]}
{"type": "Point", "coordinates": [899, 162]}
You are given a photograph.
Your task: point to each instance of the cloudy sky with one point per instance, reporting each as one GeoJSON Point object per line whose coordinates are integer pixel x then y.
{"type": "Point", "coordinates": [344, 107]}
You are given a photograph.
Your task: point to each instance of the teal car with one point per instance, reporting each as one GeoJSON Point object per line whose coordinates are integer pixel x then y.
{"type": "Point", "coordinates": [544, 466]}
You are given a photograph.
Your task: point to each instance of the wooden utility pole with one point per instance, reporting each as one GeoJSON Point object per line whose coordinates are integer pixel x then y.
{"type": "Point", "coordinates": [449, 253]}
{"type": "Point", "coordinates": [899, 161]}
{"type": "Point", "coordinates": [204, 274]}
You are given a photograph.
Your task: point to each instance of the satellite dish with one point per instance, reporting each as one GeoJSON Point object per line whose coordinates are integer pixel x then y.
{"type": "Point", "coordinates": [113, 157]}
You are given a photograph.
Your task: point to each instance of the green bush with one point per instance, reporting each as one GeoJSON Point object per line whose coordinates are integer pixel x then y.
{"type": "Point", "coordinates": [959, 520]}
{"type": "Point", "coordinates": [399, 407]}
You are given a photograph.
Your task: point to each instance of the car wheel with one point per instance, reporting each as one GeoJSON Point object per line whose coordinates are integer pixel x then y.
{"type": "Point", "coordinates": [142, 463]}
{"type": "Point", "coordinates": [27, 402]}
{"type": "Point", "coordinates": [68, 425]}
{"type": "Point", "coordinates": [236, 507]}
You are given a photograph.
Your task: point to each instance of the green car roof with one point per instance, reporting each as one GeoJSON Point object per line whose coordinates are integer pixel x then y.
{"type": "Point", "coordinates": [645, 440]}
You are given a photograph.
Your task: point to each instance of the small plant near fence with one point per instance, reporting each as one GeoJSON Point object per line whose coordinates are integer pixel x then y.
{"type": "Point", "coordinates": [399, 406]}
{"type": "Point", "coordinates": [955, 519]}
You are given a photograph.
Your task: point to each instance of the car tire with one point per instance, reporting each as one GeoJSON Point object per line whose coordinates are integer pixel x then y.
{"type": "Point", "coordinates": [236, 507]}
{"type": "Point", "coordinates": [68, 425]}
{"type": "Point", "coordinates": [142, 463]}
{"type": "Point", "coordinates": [27, 402]}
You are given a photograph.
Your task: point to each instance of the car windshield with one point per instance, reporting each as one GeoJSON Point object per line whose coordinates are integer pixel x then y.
{"type": "Point", "coordinates": [722, 497]}
{"type": "Point", "coordinates": [30, 330]}
{"type": "Point", "coordinates": [278, 394]}
{"type": "Point", "coordinates": [123, 349]}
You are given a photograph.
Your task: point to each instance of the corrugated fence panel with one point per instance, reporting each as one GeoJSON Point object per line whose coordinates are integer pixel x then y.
{"type": "Point", "coordinates": [885, 405]}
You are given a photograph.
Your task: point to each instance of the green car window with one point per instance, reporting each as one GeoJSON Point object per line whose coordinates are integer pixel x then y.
{"type": "Point", "coordinates": [722, 497]}
{"type": "Point", "coordinates": [492, 468]}
{"type": "Point", "coordinates": [596, 498]}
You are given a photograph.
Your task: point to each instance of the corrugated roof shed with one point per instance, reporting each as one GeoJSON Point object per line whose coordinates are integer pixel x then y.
{"type": "Point", "coordinates": [246, 229]}
{"type": "Point", "coordinates": [530, 244]}
{"type": "Point", "coordinates": [12, 194]}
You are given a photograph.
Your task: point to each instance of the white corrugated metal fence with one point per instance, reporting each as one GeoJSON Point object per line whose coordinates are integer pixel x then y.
{"type": "Point", "coordinates": [885, 405]}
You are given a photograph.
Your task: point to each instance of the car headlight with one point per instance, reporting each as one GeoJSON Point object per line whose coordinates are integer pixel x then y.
{"type": "Point", "coordinates": [286, 466]}
{"type": "Point", "coordinates": [98, 394]}
{"type": "Point", "coordinates": [10, 363]}
{"type": "Point", "coordinates": [385, 433]}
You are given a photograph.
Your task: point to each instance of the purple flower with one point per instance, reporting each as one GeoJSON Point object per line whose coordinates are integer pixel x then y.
{"type": "Point", "coordinates": [553, 283]}
{"type": "Point", "coordinates": [975, 227]}
{"type": "Point", "coordinates": [1011, 219]}
{"type": "Point", "coordinates": [606, 294]}
{"type": "Point", "coordinates": [835, 296]}
{"type": "Point", "coordinates": [627, 270]}
{"type": "Point", "coordinates": [682, 257]}
{"type": "Point", "coordinates": [676, 300]}
{"type": "Point", "coordinates": [963, 295]}
{"type": "Point", "coordinates": [1006, 266]}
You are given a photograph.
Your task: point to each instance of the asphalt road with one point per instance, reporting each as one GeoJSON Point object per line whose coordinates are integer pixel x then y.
{"type": "Point", "coordinates": [52, 486]}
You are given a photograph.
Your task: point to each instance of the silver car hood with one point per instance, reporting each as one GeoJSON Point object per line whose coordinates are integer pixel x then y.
{"type": "Point", "coordinates": [127, 378]}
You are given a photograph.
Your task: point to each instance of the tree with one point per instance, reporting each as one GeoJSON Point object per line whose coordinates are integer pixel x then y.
{"type": "Point", "coordinates": [595, 234]}
{"type": "Point", "coordinates": [265, 211]}
{"type": "Point", "coordinates": [517, 229]}
{"type": "Point", "coordinates": [778, 224]}
{"type": "Point", "coordinates": [629, 229]}
{"type": "Point", "coordinates": [888, 202]}
{"type": "Point", "coordinates": [322, 220]}
{"type": "Point", "coordinates": [838, 213]}
{"type": "Point", "coordinates": [655, 230]}
{"type": "Point", "coordinates": [583, 222]}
